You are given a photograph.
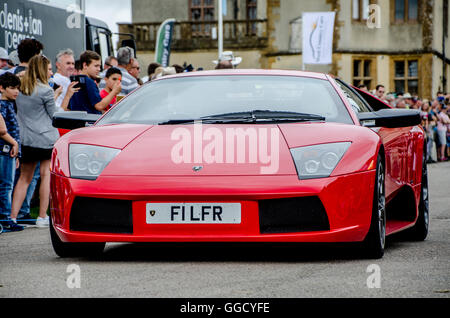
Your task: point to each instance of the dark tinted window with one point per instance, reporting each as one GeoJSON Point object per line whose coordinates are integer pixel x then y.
{"type": "Point", "coordinates": [357, 104]}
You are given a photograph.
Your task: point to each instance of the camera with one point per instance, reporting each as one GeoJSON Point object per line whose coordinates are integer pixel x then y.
{"type": "Point", "coordinates": [81, 79]}
{"type": "Point", "coordinates": [55, 86]}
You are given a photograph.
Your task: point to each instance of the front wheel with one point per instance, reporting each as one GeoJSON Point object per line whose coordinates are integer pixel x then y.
{"type": "Point", "coordinates": [375, 240]}
{"type": "Point", "coordinates": [64, 249]}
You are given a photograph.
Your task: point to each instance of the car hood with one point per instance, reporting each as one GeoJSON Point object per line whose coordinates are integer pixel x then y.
{"type": "Point", "coordinates": [112, 136]}
{"type": "Point", "coordinates": [211, 150]}
{"type": "Point", "coordinates": [218, 150]}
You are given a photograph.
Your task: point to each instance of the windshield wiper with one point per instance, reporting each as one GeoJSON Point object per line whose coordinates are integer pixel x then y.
{"type": "Point", "coordinates": [208, 120]}
{"type": "Point", "coordinates": [239, 117]}
{"type": "Point", "coordinates": [267, 116]}
{"type": "Point", "coordinates": [249, 117]}
{"type": "Point", "coordinates": [276, 115]}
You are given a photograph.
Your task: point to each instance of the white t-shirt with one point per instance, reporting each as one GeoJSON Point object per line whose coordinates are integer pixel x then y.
{"type": "Point", "coordinates": [64, 82]}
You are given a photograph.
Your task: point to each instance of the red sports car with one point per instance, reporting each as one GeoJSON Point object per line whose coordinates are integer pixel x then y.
{"type": "Point", "coordinates": [239, 156]}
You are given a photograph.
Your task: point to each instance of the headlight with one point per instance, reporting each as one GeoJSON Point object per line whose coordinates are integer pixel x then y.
{"type": "Point", "coordinates": [87, 162]}
{"type": "Point", "coordinates": [318, 161]}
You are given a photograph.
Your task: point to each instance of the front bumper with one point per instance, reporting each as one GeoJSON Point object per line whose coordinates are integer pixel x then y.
{"type": "Point", "coordinates": [347, 201]}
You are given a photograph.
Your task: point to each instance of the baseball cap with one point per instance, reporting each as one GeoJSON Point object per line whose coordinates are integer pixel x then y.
{"type": "Point", "coordinates": [14, 57]}
{"type": "Point", "coordinates": [3, 54]}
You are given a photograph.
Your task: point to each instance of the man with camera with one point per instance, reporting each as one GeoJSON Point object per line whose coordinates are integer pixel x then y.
{"type": "Point", "coordinates": [65, 67]}
{"type": "Point", "coordinates": [88, 97]}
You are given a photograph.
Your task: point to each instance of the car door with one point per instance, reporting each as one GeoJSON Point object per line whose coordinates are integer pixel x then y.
{"type": "Point", "coordinates": [393, 139]}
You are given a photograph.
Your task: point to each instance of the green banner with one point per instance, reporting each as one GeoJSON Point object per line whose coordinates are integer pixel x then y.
{"type": "Point", "coordinates": [163, 42]}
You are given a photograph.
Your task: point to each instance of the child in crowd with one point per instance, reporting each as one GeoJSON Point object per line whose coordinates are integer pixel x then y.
{"type": "Point", "coordinates": [9, 147]}
{"type": "Point", "coordinates": [112, 76]}
{"type": "Point", "coordinates": [88, 97]}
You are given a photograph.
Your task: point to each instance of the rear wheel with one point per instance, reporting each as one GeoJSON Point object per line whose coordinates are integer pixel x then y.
{"type": "Point", "coordinates": [63, 249]}
{"type": "Point", "coordinates": [376, 238]}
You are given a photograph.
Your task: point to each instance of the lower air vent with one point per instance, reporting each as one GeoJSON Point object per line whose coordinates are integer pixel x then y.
{"type": "Point", "coordinates": [101, 215]}
{"type": "Point", "coordinates": [291, 215]}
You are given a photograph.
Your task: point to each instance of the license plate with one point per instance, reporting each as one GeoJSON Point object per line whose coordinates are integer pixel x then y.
{"type": "Point", "coordinates": [193, 213]}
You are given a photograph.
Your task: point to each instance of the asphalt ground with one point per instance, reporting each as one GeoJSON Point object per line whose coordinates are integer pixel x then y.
{"type": "Point", "coordinates": [30, 268]}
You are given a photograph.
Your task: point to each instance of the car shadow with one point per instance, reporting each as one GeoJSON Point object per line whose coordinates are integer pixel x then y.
{"type": "Point", "coordinates": [232, 252]}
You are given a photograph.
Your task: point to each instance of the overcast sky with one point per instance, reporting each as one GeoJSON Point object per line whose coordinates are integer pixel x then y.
{"type": "Point", "coordinates": [110, 11]}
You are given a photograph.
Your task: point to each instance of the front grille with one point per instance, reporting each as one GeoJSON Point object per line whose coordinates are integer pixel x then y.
{"type": "Point", "coordinates": [101, 215]}
{"type": "Point", "coordinates": [291, 215]}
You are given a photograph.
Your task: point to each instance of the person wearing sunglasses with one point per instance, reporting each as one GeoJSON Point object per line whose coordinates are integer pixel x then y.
{"type": "Point", "coordinates": [110, 61]}
{"type": "Point", "coordinates": [134, 69]}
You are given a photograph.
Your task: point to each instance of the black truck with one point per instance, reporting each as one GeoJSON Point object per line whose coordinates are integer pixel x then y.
{"type": "Point", "coordinates": [57, 24]}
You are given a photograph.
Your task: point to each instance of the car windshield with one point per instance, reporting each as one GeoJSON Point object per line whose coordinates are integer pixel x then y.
{"type": "Point", "coordinates": [174, 100]}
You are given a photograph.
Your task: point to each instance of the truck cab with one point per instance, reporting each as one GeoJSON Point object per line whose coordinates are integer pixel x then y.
{"type": "Point", "coordinates": [99, 38]}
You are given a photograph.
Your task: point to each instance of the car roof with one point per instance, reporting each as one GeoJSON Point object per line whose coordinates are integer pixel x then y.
{"type": "Point", "coordinates": [260, 72]}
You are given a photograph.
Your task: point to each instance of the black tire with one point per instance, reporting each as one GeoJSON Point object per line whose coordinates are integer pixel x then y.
{"type": "Point", "coordinates": [63, 249]}
{"type": "Point", "coordinates": [375, 241]}
{"type": "Point", "coordinates": [419, 231]}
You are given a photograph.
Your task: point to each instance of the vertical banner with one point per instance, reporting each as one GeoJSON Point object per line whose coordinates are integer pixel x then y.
{"type": "Point", "coordinates": [163, 42]}
{"type": "Point", "coordinates": [318, 30]}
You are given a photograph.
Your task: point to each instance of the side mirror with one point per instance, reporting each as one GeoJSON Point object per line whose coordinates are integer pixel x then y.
{"type": "Point", "coordinates": [390, 118]}
{"type": "Point", "coordinates": [74, 119]}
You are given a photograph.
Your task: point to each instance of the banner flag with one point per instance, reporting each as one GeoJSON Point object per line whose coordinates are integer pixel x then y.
{"type": "Point", "coordinates": [163, 42]}
{"type": "Point", "coordinates": [318, 30]}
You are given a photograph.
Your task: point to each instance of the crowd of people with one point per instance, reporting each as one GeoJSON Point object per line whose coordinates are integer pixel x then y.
{"type": "Point", "coordinates": [31, 93]}
{"type": "Point", "coordinates": [435, 118]}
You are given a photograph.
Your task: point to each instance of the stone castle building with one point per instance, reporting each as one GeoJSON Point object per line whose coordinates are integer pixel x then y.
{"type": "Point", "coordinates": [405, 46]}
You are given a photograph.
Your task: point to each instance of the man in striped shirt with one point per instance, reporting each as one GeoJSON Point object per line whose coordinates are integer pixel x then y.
{"type": "Point", "coordinates": [125, 57]}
